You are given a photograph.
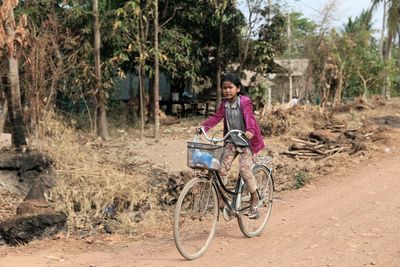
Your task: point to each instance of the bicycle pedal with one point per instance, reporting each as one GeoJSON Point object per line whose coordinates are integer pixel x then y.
{"type": "Point", "coordinates": [227, 214]}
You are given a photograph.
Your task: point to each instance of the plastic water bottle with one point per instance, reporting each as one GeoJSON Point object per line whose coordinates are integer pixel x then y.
{"type": "Point", "coordinates": [215, 164]}
{"type": "Point", "coordinates": [205, 159]}
{"type": "Point", "coordinates": [202, 158]}
{"type": "Point", "coordinates": [196, 156]}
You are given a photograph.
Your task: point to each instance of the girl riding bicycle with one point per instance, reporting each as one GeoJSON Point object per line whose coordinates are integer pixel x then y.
{"type": "Point", "coordinates": [237, 112]}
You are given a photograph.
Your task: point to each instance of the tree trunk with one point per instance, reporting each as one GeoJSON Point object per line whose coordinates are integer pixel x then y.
{"type": "Point", "coordinates": [219, 67]}
{"type": "Point", "coordinates": [290, 85]}
{"type": "Point", "coordinates": [3, 105]}
{"type": "Point", "coordinates": [13, 89]}
{"type": "Point", "coordinates": [381, 41]}
{"type": "Point", "coordinates": [142, 37]}
{"type": "Point", "coordinates": [142, 78]}
{"type": "Point", "coordinates": [3, 115]}
{"type": "Point", "coordinates": [398, 49]}
{"type": "Point", "coordinates": [15, 110]}
{"type": "Point", "coordinates": [386, 60]}
{"type": "Point", "coordinates": [100, 97]}
{"type": "Point", "coordinates": [132, 106]}
{"type": "Point", "coordinates": [365, 81]}
{"type": "Point", "coordinates": [150, 103]}
{"type": "Point", "coordinates": [269, 97]}
{"type": "Point", "coordinates": [290, 58]}
{"type": "Point", "coordinates": [338, 92]}
{"type": "Point", "coordinates": [308, 84]}
{"type": "Point", "coordinates": [156, 76]}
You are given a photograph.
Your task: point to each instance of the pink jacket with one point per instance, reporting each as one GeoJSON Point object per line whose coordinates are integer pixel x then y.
{"type": "Point", "coordinates": [257, 142]}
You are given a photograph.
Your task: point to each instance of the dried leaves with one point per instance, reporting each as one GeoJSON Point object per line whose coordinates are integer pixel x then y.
{"type": "Point", "coordinates": [11, 35]}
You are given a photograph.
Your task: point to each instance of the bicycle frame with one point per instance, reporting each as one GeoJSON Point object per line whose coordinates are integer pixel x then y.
{"type": "Point", "coordinates": [223, 191]}
{"type": "Point", "coordinates": [237, 193]}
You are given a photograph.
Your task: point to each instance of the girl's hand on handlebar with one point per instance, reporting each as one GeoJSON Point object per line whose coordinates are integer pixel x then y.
{"type": "Point", "coordinates": [198, 130]}
{"type": "Point", "coordinates": [248, 135]}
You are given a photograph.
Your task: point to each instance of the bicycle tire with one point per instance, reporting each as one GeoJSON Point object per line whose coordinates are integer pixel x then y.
{"type": "Point", "coordinates": [195, 218]}
{"type": "Point", "coordinates": [254, 227]}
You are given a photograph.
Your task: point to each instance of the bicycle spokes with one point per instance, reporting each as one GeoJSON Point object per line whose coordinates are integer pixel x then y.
{"type": "Point", "coordinates": [254, 227]}
{"type": "Point", "coordinates": [195, 218]}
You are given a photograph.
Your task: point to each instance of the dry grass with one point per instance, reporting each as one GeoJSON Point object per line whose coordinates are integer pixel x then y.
{"type": "Point", "coordinates": [92, 191]}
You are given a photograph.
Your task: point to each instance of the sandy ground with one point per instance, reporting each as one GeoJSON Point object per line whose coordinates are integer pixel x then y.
{"type": "Point", "coordinates": [349, 218]}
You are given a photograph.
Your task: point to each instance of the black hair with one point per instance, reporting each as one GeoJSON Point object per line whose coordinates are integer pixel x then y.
{"type": "Point", "coordinates": [233, 78]}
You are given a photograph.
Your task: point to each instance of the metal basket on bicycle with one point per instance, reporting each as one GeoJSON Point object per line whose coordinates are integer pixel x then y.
{"type": "Point", "coordinates": [204, 156]}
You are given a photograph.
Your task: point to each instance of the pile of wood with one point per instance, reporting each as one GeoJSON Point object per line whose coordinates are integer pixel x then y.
{"type": "Point", "coordinates": [358, 104]}
{"type": "Point", "coordinates": [325, 143]}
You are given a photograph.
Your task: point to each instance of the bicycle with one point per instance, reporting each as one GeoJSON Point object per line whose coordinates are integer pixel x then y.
{"type": "Point", "coordinates": [197, 209]}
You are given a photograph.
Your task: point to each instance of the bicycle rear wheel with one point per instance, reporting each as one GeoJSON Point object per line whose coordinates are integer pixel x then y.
{"type": "Point", "coordinates": [254, 227]}
{"type": "Point", "coordinates": [195, 218]}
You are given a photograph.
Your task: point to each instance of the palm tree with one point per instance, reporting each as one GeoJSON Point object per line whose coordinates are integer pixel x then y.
{"type": "Point", "coordinates": [392, 23]}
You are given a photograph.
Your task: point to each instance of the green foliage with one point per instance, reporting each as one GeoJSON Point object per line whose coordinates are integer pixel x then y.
{"type": "Point", "coordinates": [301, 178]}
{"type": "Point", "coordinates": [352, 55]}
{"type": "Point", "coordinates": [259, 95]}
{"type": "Point", "coordinates": [363, 66]}
{"type": "Point", "coordinates": [269, 39]}
{"type": "Point", "coordinates": [273, 31]}
{"type": "Point", "coordinates": [125, 36]}
{"type": "Point", "coordinates": [187, 39]}
{"type": "Point", "coordinates": [302, 29]}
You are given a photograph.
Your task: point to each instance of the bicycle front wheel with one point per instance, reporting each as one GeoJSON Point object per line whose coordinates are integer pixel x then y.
{"type": "Point", "coordinates": [254, 227]}
{"type": "Point", "coordinates": [195, 218]}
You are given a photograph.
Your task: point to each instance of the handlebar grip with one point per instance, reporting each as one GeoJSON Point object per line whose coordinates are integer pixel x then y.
{"type": "Point", "coordinates": [240, 134]}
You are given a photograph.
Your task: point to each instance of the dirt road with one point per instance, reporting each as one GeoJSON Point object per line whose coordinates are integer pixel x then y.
{"type": "Point", "coordinates": [350, 219]}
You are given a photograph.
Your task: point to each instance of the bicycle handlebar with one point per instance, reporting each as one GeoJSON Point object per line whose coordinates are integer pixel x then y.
{"type": "Point", "coordinates": [218, 140]}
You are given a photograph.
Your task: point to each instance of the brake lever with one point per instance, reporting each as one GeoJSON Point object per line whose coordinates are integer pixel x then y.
{"type": "Point", "coordinates": [240, 135]}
